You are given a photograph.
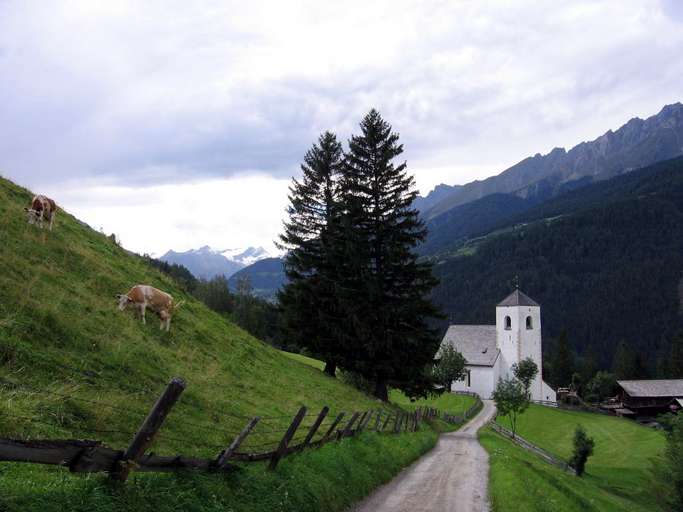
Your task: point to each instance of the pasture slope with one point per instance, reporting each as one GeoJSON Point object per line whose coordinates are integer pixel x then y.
{"type": "Point", "coordinates": [72, 366]}
{"type": "Point", "coordinates": [617, 475]}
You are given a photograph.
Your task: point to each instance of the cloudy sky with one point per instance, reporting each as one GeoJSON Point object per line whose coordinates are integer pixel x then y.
{"type": "Point", "coordinates": [180, 124]}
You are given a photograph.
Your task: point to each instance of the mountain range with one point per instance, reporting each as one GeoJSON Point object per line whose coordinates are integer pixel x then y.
{"type": "Point", "coordinates": [636, 144]}
{"type": "Point", "coordinates": [206, 262]}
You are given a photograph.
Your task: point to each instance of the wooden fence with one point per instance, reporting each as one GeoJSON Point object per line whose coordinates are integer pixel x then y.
{"type": "Point", "coordinates": [86, 456]}
{"type": "Point", "coordinates": [516, 438]}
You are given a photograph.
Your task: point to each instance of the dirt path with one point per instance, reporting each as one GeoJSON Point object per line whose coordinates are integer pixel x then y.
{"type": "Point", "coordinates": [452, 477]}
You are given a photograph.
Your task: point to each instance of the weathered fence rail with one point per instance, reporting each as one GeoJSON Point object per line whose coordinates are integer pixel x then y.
{"type": "Point", "coordinates": [89, 456]}
{"type": "Point", "coordinates": [537, 450]}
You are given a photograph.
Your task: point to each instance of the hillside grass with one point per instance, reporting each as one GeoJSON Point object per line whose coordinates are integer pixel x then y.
{"type": "Point", "coordinates": [73, 366]}
{"type": "Point", "coordinates": [447, 402]}
{"type": "Point", "coordinates": [617, 475]}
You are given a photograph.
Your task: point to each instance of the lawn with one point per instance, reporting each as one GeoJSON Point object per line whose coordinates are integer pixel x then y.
{"type": "Point", "coordinates": [617, 472]}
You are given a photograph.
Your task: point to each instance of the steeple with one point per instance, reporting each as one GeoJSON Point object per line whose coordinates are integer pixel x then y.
{"type": "Point", "coordinates": [518, 298]}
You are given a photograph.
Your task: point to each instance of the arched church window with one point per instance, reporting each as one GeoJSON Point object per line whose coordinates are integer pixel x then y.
{"type": "Point", "coordinates": [508, 323]}
{"type": "Point", "coordinates": [529, 323]}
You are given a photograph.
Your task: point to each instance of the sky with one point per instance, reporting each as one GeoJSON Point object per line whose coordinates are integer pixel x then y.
{"type": "Point", "coordinates": [178, 124]}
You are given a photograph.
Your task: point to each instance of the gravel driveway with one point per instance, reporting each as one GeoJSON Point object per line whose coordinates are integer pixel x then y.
{"type": "Point", "coordinates": [452, 477]}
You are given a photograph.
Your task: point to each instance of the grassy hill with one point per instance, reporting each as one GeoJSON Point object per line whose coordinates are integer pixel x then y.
{"type": "Point", "coordinates": [72, 365]}
{"type": "Point", "coordinates": [617, 475]}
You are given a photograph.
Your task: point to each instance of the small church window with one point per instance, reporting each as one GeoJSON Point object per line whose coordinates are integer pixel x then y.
{"type": "Point", "coordinates": [469, 378]}
{"type": "Point", "coordinates": [529, 323]}
{"type": "Point", "coordinates": [508, 323]}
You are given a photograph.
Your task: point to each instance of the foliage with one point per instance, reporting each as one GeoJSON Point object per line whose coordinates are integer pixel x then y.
{"type": "Point", "coordinates": [525, 371]}
{"type": "Point", "coordinates": [386, 289]}
{"type": "Point", "coordinates": [310, 302]}
{"type": "Point", "coordinates": [628, 363]}
{"type": "Point", "coordinates": [450, 367]}
{"type": "Point", "coordinates": [562, 362]}
{"type": "Point", "coordinates": [583, 448]}
{"type": "Point", "coordinates": [356, 295]}
{"type": "Point", "coordinates": [603, 385]}
{"type": "Point", "coordinates": [668, 472]}
{"type": "Point", "coordinates": [577, 256]}
{"type": "Point", "coordinates": [511, 400]}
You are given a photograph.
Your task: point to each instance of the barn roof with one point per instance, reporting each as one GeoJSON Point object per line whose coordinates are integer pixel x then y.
{"type": "Point", "coordinates": [518, 298]}
{"type": "Point", "coordinates": [476, 342]}
{"type": "Point", "coordinates": [653, 388]}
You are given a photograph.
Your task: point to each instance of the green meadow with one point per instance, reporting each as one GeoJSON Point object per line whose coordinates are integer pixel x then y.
{"type": "Point", "coordinates": [617, 475]}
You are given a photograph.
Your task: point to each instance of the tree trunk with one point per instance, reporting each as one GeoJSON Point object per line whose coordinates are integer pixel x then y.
{"type": "Point", "coordinates": [381, 390]}
{"type": "Point", "coordinates": [330, 368]}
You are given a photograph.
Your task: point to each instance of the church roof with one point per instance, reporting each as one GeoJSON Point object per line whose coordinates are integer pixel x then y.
{"type": "Point", "coordinates": [518, 298]}
{"type": "Point", "coordinates": [477, 343]}
{"type": "Point", "coordinates": [653, 388]}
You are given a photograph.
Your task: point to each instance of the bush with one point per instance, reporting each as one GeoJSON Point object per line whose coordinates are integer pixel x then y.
{"type": "Point", "coordinates": [583, 448]}
{"type": "Point", "coordinates": [668, 472]}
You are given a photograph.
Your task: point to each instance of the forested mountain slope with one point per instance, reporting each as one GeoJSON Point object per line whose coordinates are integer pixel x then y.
{"type": "Point", "coordinates": [605, 262]}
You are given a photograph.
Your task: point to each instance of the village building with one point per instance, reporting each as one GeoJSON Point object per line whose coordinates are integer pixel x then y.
{"type": "Point", "coordinates": [649, 397]}
{"type": "Point", "coordinates": [491, 350]}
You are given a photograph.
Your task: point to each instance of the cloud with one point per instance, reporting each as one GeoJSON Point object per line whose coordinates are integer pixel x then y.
{"type": "Point", "coordinates": [129, 94]}
{"type": "Point", "coordinates": [183, 216]}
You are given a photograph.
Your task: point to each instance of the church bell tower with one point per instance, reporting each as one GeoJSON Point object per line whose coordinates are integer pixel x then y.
{"type": "Point", "coordinates": [518, 335]}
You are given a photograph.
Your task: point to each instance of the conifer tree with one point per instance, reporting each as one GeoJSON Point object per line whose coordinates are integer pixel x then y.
{"type": "Point", "coordinates": [308, 301]}
{"type": "Point", "coordinates": [562, 367]}
{"type": "Point", "coordinates": [385, 287]}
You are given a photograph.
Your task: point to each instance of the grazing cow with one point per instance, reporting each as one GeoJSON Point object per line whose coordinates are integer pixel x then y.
{"type": "Point", "coordinates": [143, 296]}
{"type": "Point", "coordinates": [42, 208]}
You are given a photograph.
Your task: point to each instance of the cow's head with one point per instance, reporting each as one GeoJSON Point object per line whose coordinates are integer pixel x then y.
{"type": "Point", "coordinates": [32, 215]}
{"type": "Point", "coordinates": [124, 300]}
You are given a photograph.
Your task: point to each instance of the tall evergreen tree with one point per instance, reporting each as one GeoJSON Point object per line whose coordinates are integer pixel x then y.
{"type": "Point", "coordinates": [562, 367]}
{"type": "Point", "coordinates": [386, 288]}
{"type": "Point", "coordinates": [628, 363]}
{"type": "Point", "coordinates": [309, 303]}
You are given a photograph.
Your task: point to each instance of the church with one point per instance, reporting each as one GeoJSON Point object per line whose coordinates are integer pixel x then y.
{"type": "Point", "coordinates": [491, 350]}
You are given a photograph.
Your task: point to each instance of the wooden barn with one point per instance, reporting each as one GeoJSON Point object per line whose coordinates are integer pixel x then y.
{"type": "Point", "coordinates": [650, 397]}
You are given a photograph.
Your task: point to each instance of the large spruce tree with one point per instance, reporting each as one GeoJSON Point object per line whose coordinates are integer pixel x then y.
{"type": "Point", "coordinates": [384, 288]}
{"type": "Point", "coordinates": [310, 308]}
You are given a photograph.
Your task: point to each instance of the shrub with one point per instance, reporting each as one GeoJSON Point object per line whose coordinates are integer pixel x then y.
{"type": "Point", "coordinates": [583, 448]}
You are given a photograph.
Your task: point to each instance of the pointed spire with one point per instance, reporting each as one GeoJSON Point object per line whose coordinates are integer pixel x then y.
{"type": "Point", "coordinates": [518, 298]}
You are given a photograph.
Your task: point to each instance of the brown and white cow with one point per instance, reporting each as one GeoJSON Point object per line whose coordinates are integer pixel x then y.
{"type": "Point", "coordinates": [143, 296]}
{"type": "Point", "coordinates": [42, 209]}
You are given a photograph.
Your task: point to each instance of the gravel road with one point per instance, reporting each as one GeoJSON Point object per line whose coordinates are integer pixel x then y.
{"type": "Point", "coordinates": [452, 477]}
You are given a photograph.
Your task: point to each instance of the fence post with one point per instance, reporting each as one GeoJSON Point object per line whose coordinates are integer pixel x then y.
{"type": "Point", "coordinates": [367, 420]}
{"type": "Point", "coordinates": [398, 423]}
{"type": "Point", "coordinates": [316, 425]}
{"type": "Point", "coordinates": [282, 447]}
{"type": "Point", "coordinates": [347, 430]}
{"type": "Point", "coordinates": [225, 455]}
{"type": "Point", "coordinates": [333, 426]}
{"type": "Point", "coordinates": [377, 422]}
{"type": "Point", "coordinates": [145, 434]}
{"type": "Point", "coordinates": [386, 421]}
{"type": "Point", "coordinates": [360, 422]}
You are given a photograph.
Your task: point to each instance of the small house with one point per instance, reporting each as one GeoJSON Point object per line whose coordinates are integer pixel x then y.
{"type": "Point", "coordinates": [650, 397]}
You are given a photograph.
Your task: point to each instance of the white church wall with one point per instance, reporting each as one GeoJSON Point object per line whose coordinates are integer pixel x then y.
{"type": "Point", "coordinates": [481, 381]}
{"type": "Point", "coordinates": [519, 342]}
{"type": "Point", "coordinates": [547, 393]}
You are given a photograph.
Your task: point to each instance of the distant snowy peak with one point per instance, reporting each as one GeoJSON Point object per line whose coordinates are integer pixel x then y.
{"type": "Point", "coordinates": [207, 262]}
{"type": "Point", "coordinates": [246, 256]}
